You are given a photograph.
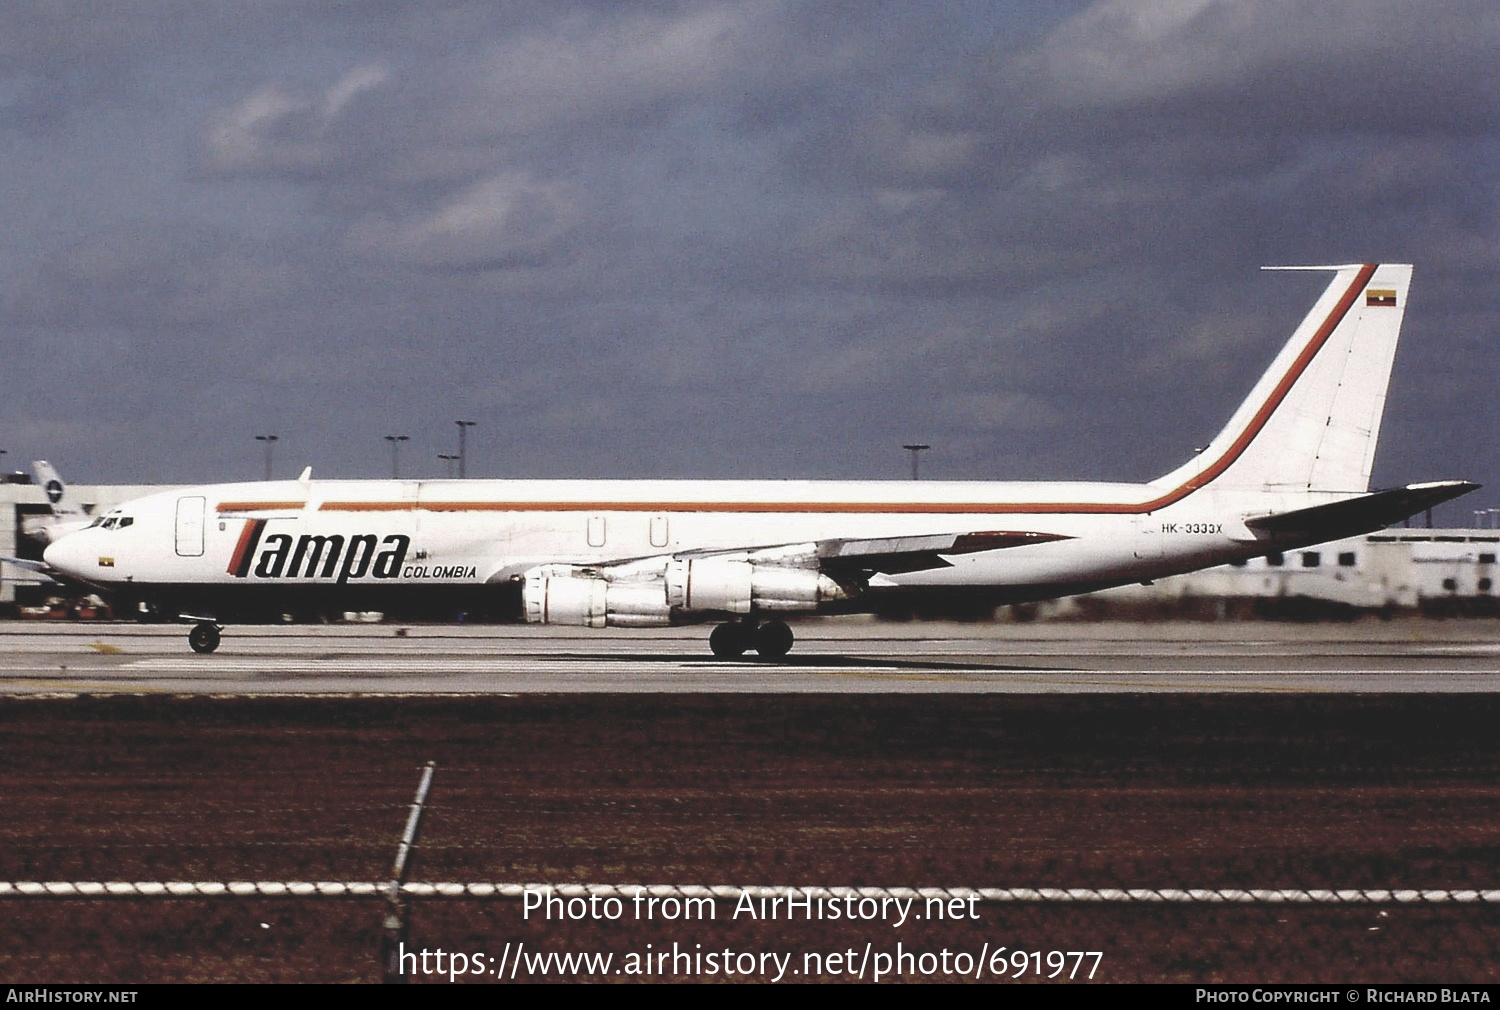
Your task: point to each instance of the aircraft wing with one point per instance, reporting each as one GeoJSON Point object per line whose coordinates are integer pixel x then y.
{"type": "Point", "coordinates": [849, 560]}
{"type": "Point", "coordinates": [1364, 514]}
{"type": "Point", "coordinates": [895, 555]}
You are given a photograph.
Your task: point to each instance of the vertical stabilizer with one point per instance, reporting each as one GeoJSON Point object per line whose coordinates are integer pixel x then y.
{"type": "Point", "coordinates": [63, 506]}
{"type": "Point", "coordinates": [1312, 421]}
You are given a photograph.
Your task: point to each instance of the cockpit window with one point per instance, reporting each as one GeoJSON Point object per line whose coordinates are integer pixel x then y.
{"type": "Point", "coordinates": [109, 523]}
{"type": "Point", "coordinates": [126, 521]}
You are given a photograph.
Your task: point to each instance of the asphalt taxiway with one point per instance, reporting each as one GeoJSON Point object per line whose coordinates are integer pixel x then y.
{"type": "Point", "coordinates": [840, 656]}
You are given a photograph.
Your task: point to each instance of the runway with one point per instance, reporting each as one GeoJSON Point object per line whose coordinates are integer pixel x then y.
{"type": "Point", "coordinates": [845, 656]}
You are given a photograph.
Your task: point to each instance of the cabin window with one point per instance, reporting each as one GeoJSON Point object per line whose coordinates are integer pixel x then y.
{"type": "Point", "coordinates": [1451, 585]}
{"type": "Point", "coordinates": [1311, 559]}
{"type": "Point", "coordinates": [1275, 559]}
{"type": "Point", "coordinates": [1346, 559]}
{"type": "Point", "coordinates": [1486, 559]}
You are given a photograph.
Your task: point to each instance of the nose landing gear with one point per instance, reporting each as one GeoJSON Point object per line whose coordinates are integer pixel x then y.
{"type": "Point", "coordinates": [204, 637]}
{"type": "Point", "coordinates": [772, 640]}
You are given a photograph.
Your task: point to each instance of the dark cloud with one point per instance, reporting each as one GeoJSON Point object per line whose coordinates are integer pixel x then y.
{"type": "Point", "coordinates": [726, 239]}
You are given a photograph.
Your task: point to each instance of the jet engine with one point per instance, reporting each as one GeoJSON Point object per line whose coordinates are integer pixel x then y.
{"type": "Point", "coordinates": [564, 594]}
{"type": "Point", "coordinates": [737, 587]}
{"type": "Point", "coordinates": [561, 594]}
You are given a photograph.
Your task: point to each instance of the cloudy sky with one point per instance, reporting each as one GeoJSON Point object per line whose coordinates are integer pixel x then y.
{"type": "Point", "coordinates": [727, 239]}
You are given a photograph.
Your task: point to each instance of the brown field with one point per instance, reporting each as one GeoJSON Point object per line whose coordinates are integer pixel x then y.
{"type": "Point", "coordinates": [983, 791]}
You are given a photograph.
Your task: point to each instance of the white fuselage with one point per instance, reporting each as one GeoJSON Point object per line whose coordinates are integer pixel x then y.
{"type": "Point", "coordinates": [389, 534]}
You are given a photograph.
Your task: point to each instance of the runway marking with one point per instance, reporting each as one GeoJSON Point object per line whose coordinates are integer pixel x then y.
{"type": "Point", "coordinates": [72, 689]}
{"type": "Point", "coordinates": [528, 664]}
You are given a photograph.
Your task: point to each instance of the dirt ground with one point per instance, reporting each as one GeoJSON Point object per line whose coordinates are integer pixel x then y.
{"type": "Point", "coordinates": [914, 791]}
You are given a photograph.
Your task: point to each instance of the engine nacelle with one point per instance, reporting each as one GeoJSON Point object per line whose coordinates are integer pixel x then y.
{"type": "Point", "coordinates": [563, 594]}
{"type": "Point", "coordinates": [559, 594]}
{"type": "Point", "coordinates": [737, 587]}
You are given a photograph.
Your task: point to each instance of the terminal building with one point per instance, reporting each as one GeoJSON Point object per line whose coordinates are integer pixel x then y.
{"type": "Point", "coordinates": [1439, 572]}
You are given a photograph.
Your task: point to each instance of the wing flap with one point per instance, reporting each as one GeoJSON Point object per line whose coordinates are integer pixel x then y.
{"type": "Point", "coordinates": [897, 555]}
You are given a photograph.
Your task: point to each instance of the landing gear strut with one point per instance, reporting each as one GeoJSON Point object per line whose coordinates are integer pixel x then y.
{"type": "Point", "coordinates": [204, 637]}
{"type": "Point", "coordinates": [772, 639]}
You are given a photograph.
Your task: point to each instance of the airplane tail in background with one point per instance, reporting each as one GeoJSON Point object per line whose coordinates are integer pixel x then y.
{"type": "Point", "coordinates": [1312, 421]}
{"type": "Point", "coordinates": [57, 492]}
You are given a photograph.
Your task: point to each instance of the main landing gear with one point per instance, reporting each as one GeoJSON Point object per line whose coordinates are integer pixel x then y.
{"type": "Point", "coordinates": [772, 639]}
{"type": "Point", "coordinates": [204, 637]}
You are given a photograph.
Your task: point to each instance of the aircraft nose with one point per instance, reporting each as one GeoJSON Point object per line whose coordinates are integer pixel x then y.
{"type": "Point", "coordinates": [67, 555]}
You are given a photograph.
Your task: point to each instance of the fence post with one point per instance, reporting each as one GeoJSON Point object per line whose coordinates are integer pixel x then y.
{"type": "Point", "coordinates": [393, 930]}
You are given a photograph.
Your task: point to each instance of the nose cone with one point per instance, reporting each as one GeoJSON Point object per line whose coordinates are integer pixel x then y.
{"type": "Point", "coordinates": [68, 555]}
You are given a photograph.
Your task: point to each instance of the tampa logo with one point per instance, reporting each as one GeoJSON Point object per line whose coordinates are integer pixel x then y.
{"type": "Point", "coordinates": [316, 556]}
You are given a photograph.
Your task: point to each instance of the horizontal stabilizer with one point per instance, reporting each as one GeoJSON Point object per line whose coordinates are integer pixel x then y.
{"type": "Point", "coordinates": [1364, 514]}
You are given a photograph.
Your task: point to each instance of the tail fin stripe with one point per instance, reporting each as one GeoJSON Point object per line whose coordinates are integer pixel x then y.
{"type": "Point", "coordinates": [1279, 393]}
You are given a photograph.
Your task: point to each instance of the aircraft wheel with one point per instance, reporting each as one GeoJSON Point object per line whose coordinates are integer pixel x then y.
{"type": "Point", "coordinates": [729, 640]}
{"type": "Point", "coordinates": [773, 640]}
{"type": "Point", "coordinates": [204, 637]}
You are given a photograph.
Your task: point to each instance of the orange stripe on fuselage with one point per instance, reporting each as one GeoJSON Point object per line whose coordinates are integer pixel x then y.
{"type": "Point", "coordinates": [936, 508]}
{"type": "Point", "coordinates": [1203, 478]}
{"type": "Point", "coordinates": [261, 506]}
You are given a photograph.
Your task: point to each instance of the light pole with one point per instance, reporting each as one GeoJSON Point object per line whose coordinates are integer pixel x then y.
{"type": "Point", "coordinates": [396, 441]}
{"type": "Point", "coordinates": [463, 458]}
{"type": "Point", "coordinates": [914, 449]}
{"type": "Point", "coordinates": [448, 458]}
{"type": "Point", "coordinates": [270, 441]}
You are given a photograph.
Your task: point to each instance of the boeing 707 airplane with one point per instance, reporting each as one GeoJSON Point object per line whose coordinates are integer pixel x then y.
{"type": "Point", "coordinates": [1290, 469]}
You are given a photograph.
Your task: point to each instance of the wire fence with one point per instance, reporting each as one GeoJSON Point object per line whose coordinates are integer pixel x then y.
{"type": "Point", "coordinates": [627, 892]}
